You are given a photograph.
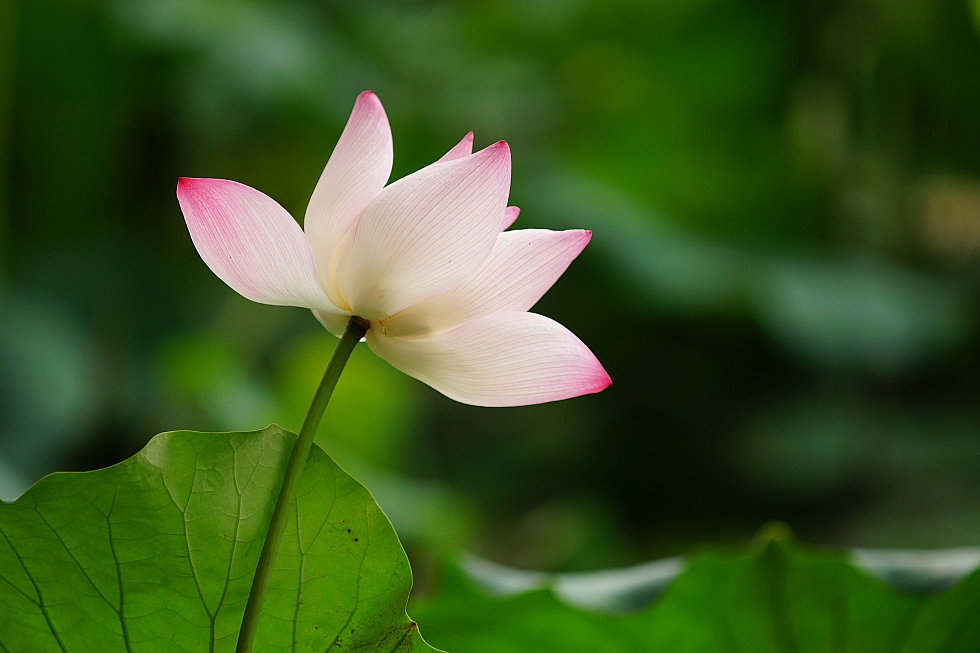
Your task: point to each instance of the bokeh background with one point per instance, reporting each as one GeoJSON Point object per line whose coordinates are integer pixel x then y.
{"type": "Point", "coordinates": [782, 283]}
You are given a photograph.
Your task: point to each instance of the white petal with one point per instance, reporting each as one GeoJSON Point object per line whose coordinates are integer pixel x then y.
{"type": "Point", "coordinates": [510, 216]}
{"type": "Point", "coordinates": [463, 148]}
{"type": "Point", "coordinates": [519, 270]}
{"type": "Point", "coordinates": [357, 171]}
{"type": "Point", "coordinates": [504, 359]}
{"type": "Point", "coordinates": [251, 243]}
{"type": "Point", "coordinates": [333, 322]}
{"type": "Point", "coordinates": [425, 233]}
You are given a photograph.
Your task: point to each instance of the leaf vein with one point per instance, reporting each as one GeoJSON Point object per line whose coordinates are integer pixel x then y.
{"type": "Point", "coordinates": [40, 597]}
{"type": "Point", "coordinates": [77, 563]}
{"type": "Point", "coordinates": [115, 559]}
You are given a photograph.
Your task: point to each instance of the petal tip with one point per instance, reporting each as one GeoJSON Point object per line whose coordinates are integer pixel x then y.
{"type": "Point", "coordinates": [461, 150]}
{"type": "Point", "coordinates": [602, 380]}
{"type": "Point", "coordinates": [511, 214]}
{"type": "Point", "coordinates": [499, 149]}
{"type": "Point", "coordinates": [197, 187]}
{"type": "Point", "coordinates": [497, 154]}
{"type": "Point", "coordinates": [597, 381]}
{"type": "Point", "coordinates": [578, 239]}
{"type": "Point", "coordinates": [187, 185]}
{"type": "Point", "coordinates": [368, 105]}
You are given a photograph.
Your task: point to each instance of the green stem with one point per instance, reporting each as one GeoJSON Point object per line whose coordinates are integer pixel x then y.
{"type": "Point", "coordinates": [356, 329]}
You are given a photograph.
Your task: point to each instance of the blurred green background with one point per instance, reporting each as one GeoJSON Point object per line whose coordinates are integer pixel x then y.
{"type": "Point", "coordinates": [782, 282]}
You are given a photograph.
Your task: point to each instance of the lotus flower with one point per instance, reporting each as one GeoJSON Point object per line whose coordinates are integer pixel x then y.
{"type": "Point", "coordinates": [425, 260]}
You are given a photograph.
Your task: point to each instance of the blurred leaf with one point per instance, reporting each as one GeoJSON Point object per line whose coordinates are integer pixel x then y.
{"type": "Point", "coordinates": [925, 572]}
{"type": "Point", "coordinates": [158, 553]}
{"type": "Point", "coordinates": [858, 312]}
{"type": "Point", "coordinates": [422, 511]}
{"type": "Point", "coordinates": [975, 6]}
{"type": "Point", "coordinates": [812, 449]}
{"type": "Point", "coordinates": [251, 51]}
{"type": "Point", "coordinates": [209, 370]}
{"type": "Point", "coordinates": [837, 311]}
{"type": "Point", "coordinates": [12, 483]}
{"type": "Point", "coordinates": [48, 393]}
{"type": "Point", "coordinates": [372, 413]}
{"type": "Point", "coordinates": [664, 264]}
{"type": "Point", "coordinates": [686, 131]}
{"type": "Point", "coordinates": [777, 596]}
{"type": "Point", "coordinates": [830, 446]}
{"type": "Point", "coordinates": [615, 590]}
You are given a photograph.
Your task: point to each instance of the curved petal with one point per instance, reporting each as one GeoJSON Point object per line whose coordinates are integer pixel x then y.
{"type": "Point", "coordinates": [504, 359]}
{"type": "Point", "coordinates": [357, 171]}
{"type": "Point", "coordinates": [510, 216]}
{"type": "Point", "coordinates": [519, 270]}
{"type": "Point", "coordinates": [335, 323]}
{"type": "Point", "coordinates": [463, 148]}
{"type": "Point", "coordinates": [425, 234]}
{"type": "Point", "coordinates": [251, 243]}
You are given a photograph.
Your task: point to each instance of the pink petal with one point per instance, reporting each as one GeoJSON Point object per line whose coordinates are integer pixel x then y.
{"type": "Point", "coordinates": [251, 243]}
{"type": "Point", "coordinates": [510, 216]}
{"type": "Point", "coordinates": [463, 148]}
{"type": "Point", "coordinates": [519, 270]}
{"type": "Point", "coordinates": [357, 171]}
{"type": "Point", "coordinates": [425, 234]}
{"type": "Point", "coordinates": [504, 359]}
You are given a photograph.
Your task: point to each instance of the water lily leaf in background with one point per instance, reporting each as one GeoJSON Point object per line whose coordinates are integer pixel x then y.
{"type": "Point", "coordinates": [615, 590]}
{"type": "Point", "coordinates": [158, 553]}
{"type": "Point", "coordinates": [48, 401]}
{"type": "Point", "coordinates": [839, 311]}
{"type": "Point", "coordinates": [776, 597]}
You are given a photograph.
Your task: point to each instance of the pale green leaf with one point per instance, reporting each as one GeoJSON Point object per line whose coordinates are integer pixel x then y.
{"type": "Point", "coordinates": [157, 553]}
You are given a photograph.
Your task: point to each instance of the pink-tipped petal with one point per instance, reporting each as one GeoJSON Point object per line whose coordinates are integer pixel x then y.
{"type": "Point", "coordinates": [332, 322]}
{"type": "Point", "coordinates": [424, 234]}
{"type": "Point", "coordinates": [519, 270]}
{"type": "Point", "coordinates": [504, 359]}
{"type": "Point", "coordinates": [357, 171]}
{"type": "Point", "coordinates": [251, 243]}
{"type": "Point", "coordinates": [463, 148]}
{"type": "Point", "coordinates": [510, 216]}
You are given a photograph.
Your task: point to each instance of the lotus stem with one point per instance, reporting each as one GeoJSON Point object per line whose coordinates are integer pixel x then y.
{"type": "Point", "coordinates": [356, 328]}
